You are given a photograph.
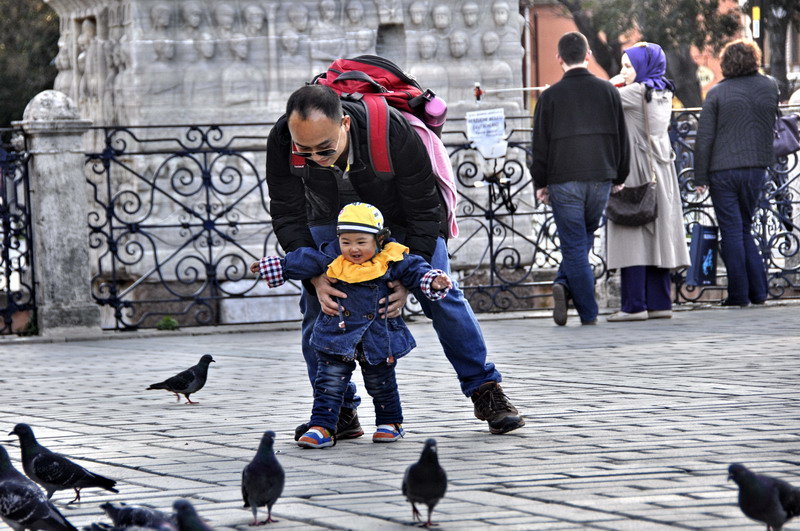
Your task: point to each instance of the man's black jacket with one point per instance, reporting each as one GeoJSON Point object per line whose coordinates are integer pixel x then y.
{"type": "Point", "coordinates": [409, 200]}
{"type": "Point", "coordinates": [579, 132]}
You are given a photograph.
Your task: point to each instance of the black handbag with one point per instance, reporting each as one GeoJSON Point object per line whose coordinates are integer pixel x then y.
{"type": "Point", "coordinates": [635, 206]}
{"type": "Point", "coordinates": [787, 136]}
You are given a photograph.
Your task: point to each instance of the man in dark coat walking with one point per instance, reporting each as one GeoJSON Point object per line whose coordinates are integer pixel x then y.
{"type": "Point", "coordinates": [580, 149]}
{"type": "Point", "coordinates": [332, 136]}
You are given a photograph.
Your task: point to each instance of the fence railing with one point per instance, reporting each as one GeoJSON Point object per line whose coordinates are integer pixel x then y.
{"type": "Point", "coordinates": [180, 211]}
{"type": "Point", "coordinates": [17, 285]}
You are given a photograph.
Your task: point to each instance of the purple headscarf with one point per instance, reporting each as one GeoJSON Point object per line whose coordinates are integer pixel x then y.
{"type": "Point", "coordinates": [650, 63]}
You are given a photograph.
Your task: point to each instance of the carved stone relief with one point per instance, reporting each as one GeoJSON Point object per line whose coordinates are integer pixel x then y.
{"type": "Point", "coordinates": [129, 60]}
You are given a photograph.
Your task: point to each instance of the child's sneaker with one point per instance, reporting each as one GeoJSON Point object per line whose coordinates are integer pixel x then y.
{"type": "Point", "coordinates": [316, 437]}
{"type": "Point", "coordinates": [388, 433]}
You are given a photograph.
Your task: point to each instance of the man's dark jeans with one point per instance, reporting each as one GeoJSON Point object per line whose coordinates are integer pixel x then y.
{"type": "Point", "coordinates": [577, 209]}
{"type": "Point", "coordinates": [735, 195]}
{"type": "Point", "coordinates": [333, 377]}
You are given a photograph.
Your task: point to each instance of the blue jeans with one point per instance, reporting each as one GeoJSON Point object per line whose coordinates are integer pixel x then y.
{"type": "Point", "coordinates": [577, 209]}
{"type": "Point", "coordinates": [332, 381]}
{"type": "Point", "coordinates": [645, 288]}
{"type": "Point", "coordinates": [735, 195]}
{"type": "Point", "coordinates": [456, 327]}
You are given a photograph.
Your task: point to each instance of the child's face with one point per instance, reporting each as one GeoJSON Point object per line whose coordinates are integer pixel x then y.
{"type": "Point", "coordinates": [357, 247]}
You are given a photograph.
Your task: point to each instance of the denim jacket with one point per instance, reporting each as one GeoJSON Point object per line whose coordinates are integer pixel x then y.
{"type": "Point", "coordinates": [380, 338]}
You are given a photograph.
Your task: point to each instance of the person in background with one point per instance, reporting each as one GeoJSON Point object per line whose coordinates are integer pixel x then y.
{"type": "Point", "coordinates": [646, 254]}
{"type": "Point", "coordinates": [733, 150]}
{"type": "Point", "coordinates": [580, 148]}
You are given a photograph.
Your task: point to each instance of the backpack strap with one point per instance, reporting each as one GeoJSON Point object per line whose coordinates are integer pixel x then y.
{"type": "Point", "coordinates": [378, 135]}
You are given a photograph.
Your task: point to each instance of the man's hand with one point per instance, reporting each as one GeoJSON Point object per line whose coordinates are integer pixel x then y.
{"type": "Point", "coordinates": [700, 189]}
{"type": "Point", "coordinates": [254, 267]}
{"type": "Point", "coordinates": [326, 292]}
{"type": "Point", "coordinates": [617, 187]}
{"type": "Point", "coordinates": [397, 299]}
{"type": "Point", "coordinates": [543, 195]}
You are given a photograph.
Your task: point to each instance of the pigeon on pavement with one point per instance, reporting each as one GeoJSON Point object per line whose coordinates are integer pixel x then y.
{"type": "Point", "coordinates": [54, 471]}
{"type": "Point", "coordinates": [23, 505]}
{"type": "Point", "coordinates": [425, 481]}
{"type": "Point", "coordinates": [187, 382]}
{"type": "Point", "coordinates": [132, 516]}
{"type": "Point", "coordinates": [262, 480]}
{"type": "Point", "coordinates": [187, 517]}
{"type": "Point", "coordinates": [765, 499]}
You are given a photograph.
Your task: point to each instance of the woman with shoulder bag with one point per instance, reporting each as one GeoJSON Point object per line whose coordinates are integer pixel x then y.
{"type": "Point", "coordinates": [732, 152]}
{"type": "Point", "coordinates": [645, 254]}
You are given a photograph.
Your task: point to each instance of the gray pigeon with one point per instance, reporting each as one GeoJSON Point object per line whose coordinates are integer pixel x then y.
{"type": "Point", "coordinates": [125, 516]}
{"type": "Point", "coordinates": [262, 479]}
{"type": "Point", "coordinates": [187, 517]}
{"type": "Point", "coordinates": [187, 382]}
{"type": "Point", "coordinates": [765, 499]}
{"type": "Point", "coordinates": [425, 481]}
{"type": "Point", "coordinates": [23, 505]}
{"type": "Point", "coordinates": [54, 471]}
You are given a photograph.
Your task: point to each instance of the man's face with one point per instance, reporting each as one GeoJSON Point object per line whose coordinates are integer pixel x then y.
{"type": "Point", "coordinates": [357, 247]}
{"type": "Point", "coordinates": [254, 16]}
{"type": "Point", "coordinates": [317, 133]}
{"type": "Point", "coordinates": [441, 17]}
{"type": "Point", "coordinates": [470, 12]}
{"type": "Point", "coordinates": [458, 45]}
{"type": "Point", "coordinates": [427, 47]}
{"type": "Point", "coordinates": [500, 13]}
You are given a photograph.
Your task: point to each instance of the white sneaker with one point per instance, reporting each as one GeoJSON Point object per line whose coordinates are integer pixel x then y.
{"type": "Point", "coordinates": [659, 314]}
{"type": "Point", "coordinates": [625, 316]}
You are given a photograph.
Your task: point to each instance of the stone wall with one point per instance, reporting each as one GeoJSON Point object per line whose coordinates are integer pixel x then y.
{"type": "Point", "coordinates": [134, 62]}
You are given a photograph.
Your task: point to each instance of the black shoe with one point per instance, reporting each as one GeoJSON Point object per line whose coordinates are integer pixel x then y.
{"type": "Point", "coordinates": [492, 405]}
{"type": "Point", "coordinates": [728, 302]}
{"type": "Point", "coordinates": [348, 426]}
{"type": "Point", "coordinates": [560, 296]}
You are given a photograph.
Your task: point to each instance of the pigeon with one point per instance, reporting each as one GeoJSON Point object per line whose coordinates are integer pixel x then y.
{"type": "Point", "coordinates": [425, 481]}
{"type": "Point", "coordinates": [23, 505]}
{"type": "Point", "coordinates": [187, 382]}
{"type": "Point", "coordinates": [765, 499]}
{"type": "Point", "coordinates": [54, 471]}
{"type": "Point", "coordinates": [187, 517]}
{"type": "Point", "coordinates": [262, 480]}
{"type": "Point", "coordinates": [125, 516]}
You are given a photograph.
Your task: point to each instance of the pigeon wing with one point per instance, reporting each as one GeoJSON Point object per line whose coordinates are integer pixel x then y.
{"type": "Point", "coordinates": [789, 497]}
{"type": "Point", "coordinates": [181, 381]}
{"type": "Point", "coordinates": [245, 482]}
{"type": "Point", "coordinates": [54, 469]}
{"type": "Point", "coordinates": [26, 505]}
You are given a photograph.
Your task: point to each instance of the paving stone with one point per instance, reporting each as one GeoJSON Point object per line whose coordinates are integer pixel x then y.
{"type": "Point", "coordinates": [628, 427]}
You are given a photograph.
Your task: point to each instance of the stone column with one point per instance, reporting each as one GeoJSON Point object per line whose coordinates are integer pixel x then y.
{"type": "Point", "coordinates": [59, 210]}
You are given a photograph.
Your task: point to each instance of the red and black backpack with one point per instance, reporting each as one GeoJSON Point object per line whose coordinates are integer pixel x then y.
{"type": "Point", "coordinates": [377, 83]}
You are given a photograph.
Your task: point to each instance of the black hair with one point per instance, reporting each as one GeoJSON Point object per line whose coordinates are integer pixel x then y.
{"type": "Point", "coordinates": [310, 98]}
{"type": "Point", "coordinates": [572, 48]}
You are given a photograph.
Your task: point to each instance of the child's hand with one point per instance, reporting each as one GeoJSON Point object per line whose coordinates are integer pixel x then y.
{"type": "Point", "coordinates": [255, 267]}
{"type": "Point", "coordinates": [441, 282]}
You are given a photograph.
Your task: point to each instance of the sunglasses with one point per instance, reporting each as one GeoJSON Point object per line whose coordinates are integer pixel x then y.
{"type": "Point", "coordinates": [325, 153]}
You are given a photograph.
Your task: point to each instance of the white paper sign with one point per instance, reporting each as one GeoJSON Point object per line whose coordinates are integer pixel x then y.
{"type": "Point", "coordinates": [484, 124]}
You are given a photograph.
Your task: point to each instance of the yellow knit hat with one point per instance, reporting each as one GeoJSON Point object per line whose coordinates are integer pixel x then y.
{"type": "Point", "coordinates": [360, 217]}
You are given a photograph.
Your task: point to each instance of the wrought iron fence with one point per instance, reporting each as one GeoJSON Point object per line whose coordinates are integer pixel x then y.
{"type": "Point", "coordinates": [180, 211]}
{"type": "Point", "coordinates": [17, 286]}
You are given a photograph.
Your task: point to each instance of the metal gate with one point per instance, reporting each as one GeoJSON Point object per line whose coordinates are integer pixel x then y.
{"type": "Point", "coordinates": [17, 285]}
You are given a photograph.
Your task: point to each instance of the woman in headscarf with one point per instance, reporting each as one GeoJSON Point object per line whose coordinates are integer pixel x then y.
{"type": "Point", "coordinates": [646, 254]}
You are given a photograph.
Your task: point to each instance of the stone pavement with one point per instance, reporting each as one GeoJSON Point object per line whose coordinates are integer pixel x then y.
{"type": "Point", "coordinates": [629, 425]}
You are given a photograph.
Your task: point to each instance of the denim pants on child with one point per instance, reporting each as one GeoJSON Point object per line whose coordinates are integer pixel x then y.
{"type": "Point", "coordinates": [333, 378]}
{"type": "Point", "coordinates": [455, 324]}
{"type": "Point", "coordinates": [735, 195]}
{"type": "Point", "coordinates": [577, 209]}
